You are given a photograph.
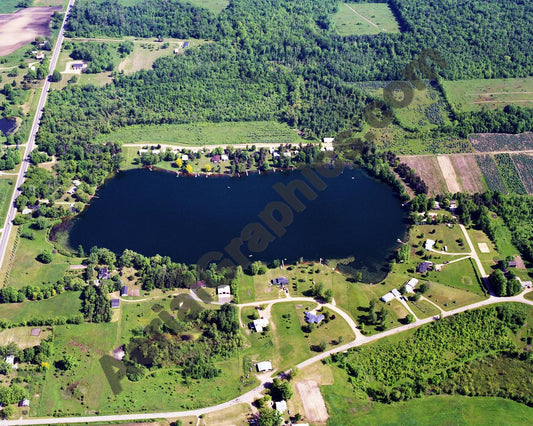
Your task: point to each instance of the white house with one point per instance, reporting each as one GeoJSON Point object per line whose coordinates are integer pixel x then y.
{"type": "Point", "coordinates": [287, 154]}
{"type": "Point", "coordinates": [224, 157]}
{"type": "Point", "coordinates": [260, 324]}
{"type": "Point", "coordinates": [223, 289]}
{"type": "Point", "coordinates": [264, 366]}
{"type": "Point", "coordinates": [72, 190]}
{"type": "Point", "coordinates": [428, 245]}
{"type": "Point", "coordinates": [185, 157]}
{"type": "Point", "coordinates": [10, 359]}
{"type": "Point", "coordinates": [412, 282]}
{"type": "Point", "coordinates": [387, 297]}
{"type": "Point", "coordinates": [328, 140]}
{"type": "Point", "coordinates": [395, 293]}
{"type": "Point", "coordinates": [281, 406]}
{"type": "Point", "coordinates": [142, 151]}
{"type": "Point", "coordinates": [76, 182]}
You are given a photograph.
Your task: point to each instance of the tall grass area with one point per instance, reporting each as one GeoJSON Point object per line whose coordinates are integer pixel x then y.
{"type": "Point", "coordinates": [66, 304]}
{"type": "Point", "coordinates": [7, 186]}
{"type": "Point", "coordinates": [207, 134]}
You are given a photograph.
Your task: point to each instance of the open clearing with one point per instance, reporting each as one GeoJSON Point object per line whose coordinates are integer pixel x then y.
{"type": "Point", "coordinates": [364, 18]}
{"type": "Point", "coordinates": [20, 28]}
{"type": "Point", "coordinates": [315, 408]}
{"type": "Point", "coordinates": [473, 95]}
{"type": "Point", "coordinates": [22, 336]}
{"type": "Point", "coordinates": [449, 174]}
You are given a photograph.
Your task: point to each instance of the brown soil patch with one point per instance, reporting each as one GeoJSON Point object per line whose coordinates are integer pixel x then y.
{"type": "Point", "coordinates": [519, 263]}
{"type": "Point", "coordinates": [448, 172]}
{"type": "Point", "coordinates": [21, 27]}
{"type": "Point", "coordinates": [78, 345]}
{"type": "Point", "coordinates": [469, 172]}
{"type": "Point", "coordinates": [427, 167]}
{"type": "Point", "coordinates": [314, 406]}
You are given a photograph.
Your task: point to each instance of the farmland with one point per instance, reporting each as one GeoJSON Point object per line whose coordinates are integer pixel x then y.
{"type": "Point", "coordinates": [494, 142]}
{"type": "Point", "coordinates": [524, 164]}
{"type": "Point", "coordinates": [468, 173]}
{"type": "Point", "coordinates": [509, 174]}
{"type": "Point", "coordinates": [490, 173]}
{"type": "Point", "coordinates": [473, 95]}
{"type": "Point", "coordinates": [364, 18]}
{"type": "Point", "coordinates": [427, 167]}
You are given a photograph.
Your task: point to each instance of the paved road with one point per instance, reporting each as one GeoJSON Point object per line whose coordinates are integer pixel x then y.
{"type": "Point", "coordinates": [251, 395]}
{"type": "Point", "coordinates": [8, 225]}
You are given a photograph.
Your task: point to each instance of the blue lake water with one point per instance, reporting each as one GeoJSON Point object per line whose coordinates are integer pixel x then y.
{"type": "Point", "coordinates": [351, 215]}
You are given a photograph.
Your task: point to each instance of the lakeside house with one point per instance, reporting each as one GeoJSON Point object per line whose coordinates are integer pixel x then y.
{"type": "Point", "coordinates": [263, 366]}
{"type": "Point", "coordinates": [281, 406]}
{"type": "Point", "coordinates": [185, 157]}
{"type": "Point", "coordinates": [215, 159]}
{"type": "Point", "coordinates": [328, 140]}
{"type": "Point", "coordinates": [424, 267]}
{"type": "Point", "coordinates": [223, 289]}
{"type": "Point", "coordinates": [259, 324]}
{"type": "Point", "coordinates": [396, 293]}
{"type": "Point", "coordinates": [224, 157]}
{"type": "Point", "coordinates": [104, 273]}
{"type": "Point", "coordinates": [429, 244]}
{"type": "Point", "coordinates": [280, 281]}
{"type": "Point", "coordinates": [387, 297]}
{"type": "Point", "coordinates": [313, 317]}
{"type": "Point", "coordinates": [115, 303]}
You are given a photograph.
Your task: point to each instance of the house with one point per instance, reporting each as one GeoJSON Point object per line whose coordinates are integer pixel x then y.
{"type": "Point", "coordinates": [223, 289]}
{"type": "Point", "coordinates": [104, 274]}
{"type": "Point", "coordinates": [72, 190]}
{"type": "Point", "coordinates": [115, 303]}
{"type": "Point", "coordinates": [387, 297]}
{"type": "Point", "coordinates": [263, 366]}
{"type": "Point", "coordinates": [142, 151]}
{"type": "Point", "coordinates": [185, 44]}
{"type": "Point", "coordinates": [78, 66]}
{"type": "Point", "coordinates": [287, 154]}
{"type": "Point", "coordinates": [185, 157]}
{"type": "Point", "coordinates": [76, 182]}
{"type": "Point", "coordinates": [281, 406]}
{"type": "Point", "coordinates": [424, 267]}
{"type": "Point", "coordinates": [39, 56]}
{"type": "Point", "coordinates": [436, 205]}
{"type": "Point", "coordinates": [24, 403]}
{"type": "Point", "coordinates": [395, 293]}
{"type": "Point", "coordinates": [512, 264]}
{"type": "Point", "coordinates": [412, 282]}
{"type": "Point", "coordinates": [428, 245]}
{"type": "Point", "coordinates": [27, 211]}
{"type": "Point", "coordinates": [124, 291]}
{"type": "Point", "coordinates": [280, 281]}
{"type": "Point", "coordinates": [119, 353]}
{"type": "Point", "coordinates": [259, 324]}
{"type": "Point", "coordinates": [10, 359]}
{"type": "Point", "coordinates": [313, 317]}
{"type": "Point", "coordinates": [224, 157]}
{"type": "Point", "coordinates": [215, 159]}
{"type": "Point", "coordinates": [453, 205]}
{"type": "Point", "coordinates": [275, 154]}
{"type": "Point", "coordinates": [328, 140]}
{"type": "Point", "coordinates": [409, 288]}
{"type": "Point", "coordinates": [176, 50]}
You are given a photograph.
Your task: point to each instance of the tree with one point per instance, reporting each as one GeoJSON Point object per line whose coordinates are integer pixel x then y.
{"type": "Point", "coordinates": [56, 76]}
{"type": "Point", "coordinates": [498, 283]}
{"type": "Point", "coordinates": [188, 169]}
{"type": "Point", "coordinates": [281, 390]}
{"type": "Point", "coordinates": [68, 363]}
{"type": "Point", "coordinates": [269, 417]}
{"type": "Point", "coordinates": [423, 288]}
{"type": "Point", "coordinates": [8, 412]}
{"type": "Point", "coordinates": [207, 168]}
{"type": "Point", "coordinates": [403, 253]}
{"type": "Point", "coordinates": [409, 319]}
{"type": "Point", "coordinates": [46, 256]}
{"type": "Point", "coordinates": [179, 162]}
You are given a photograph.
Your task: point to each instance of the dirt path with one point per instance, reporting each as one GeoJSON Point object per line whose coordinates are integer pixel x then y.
{"type": "Point", "coordinates": [448, 172]}
{"type": "Point", "coordinates": [362, 17]}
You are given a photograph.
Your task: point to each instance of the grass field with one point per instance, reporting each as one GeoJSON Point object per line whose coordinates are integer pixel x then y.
{"type": "Point", "coordinates": [215, 6]}
{"type": "Point", "coordinates": [207, 134]}
{"type": "Point", "coordinates": [66, 304]}
{"type": "Point", "coordinates": [22, 336]}
{"type": "Point", "coordinates": [442, 234]}
{"type": "Point", "coordinates": [7, 186]}
{"type": "Point", "coordinates": [473, 95]}
{"type": "Point", "coordinates": [461, 275]}
{"type": "Point", "coordinates": [364, 18]}
{"type": "Point", "coordinates": [26, 269]}
{"type": "Point", "coordinates": [450, 297]}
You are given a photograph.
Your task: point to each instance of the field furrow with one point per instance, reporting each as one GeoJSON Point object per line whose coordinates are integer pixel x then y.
{"type": "Point", "coordinates": [524, 164]}
{"type": "Point", "coordinates": [509, 174]}
{"type": "Point", "coordinates": [490, 173]}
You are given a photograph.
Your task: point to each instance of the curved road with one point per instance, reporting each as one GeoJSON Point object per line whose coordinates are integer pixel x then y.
{"type": "Point", "coordinates": [251, 395]}
{"type": "Point", "coordinates": [8, 225]}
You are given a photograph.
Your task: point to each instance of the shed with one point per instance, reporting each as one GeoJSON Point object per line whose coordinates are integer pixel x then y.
{"type": "Point", "coordinates": [512, 264]}
{"type": "Point", "coordinates": [395, 292]}
{"type": "Point", "coordinates": [223, 289]}
{"type": "Point", "coordinates": [115, 303]}
{"type": "Point", "coordinates": [185, 44]}
{"type": "Point", "coordinates": [10, 359]}
{"type": "Point", "coordinates": [77, 66]}
{"type": "Point", "coordinates": [124, 291]}
{"type": "Point", "coordinates": [387, 297]}
{"type": "Point", "coordinates": [224, 157]}
{"type": "Point", "coordinates": [412, 282]}
{"type": "Point", "coordinates": [119, 353]}
{"type": "Point", "coordinates": [264, 366]}
{"type": "Point", "coordinates": [185, 157]}
{"type": "Point", "coordinates": [24, 403]}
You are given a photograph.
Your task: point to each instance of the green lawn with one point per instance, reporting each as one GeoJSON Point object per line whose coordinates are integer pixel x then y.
{"type": "Point", "coordinates": [444, 236]}
{"type": "Point", "coordinates": [473, 95]}
{"type": "Point", "coordinates": [207, 134]}
{"type": "Point", "coordinates": [7, 186]}
{"type": "Point", "coordinates": [9, 6]}
{"type": "Point", "coordinates": [66, 304]}
{"type": "Point", "coordinates": [461, 275]}
{"type": "Point", "coordinates": [215, 6]}
{"type": "Point", "coordinates": [26, 269]}
{"type": "Point", "coordinates": [450, 297]}
{"type": "Point", "coordinates": [350, 19]}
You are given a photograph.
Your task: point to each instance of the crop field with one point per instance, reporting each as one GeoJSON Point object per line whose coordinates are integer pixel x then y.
{"type": "Point", "coordinates": [427, 167]}
{"type": "Point", "coordinates": [490, 173]}
{"type": "Point", "coordinates": [491, 142]}
{"type": "Point", "coordinates": [473, 95]}
{"type": "Point", "coordinates": [198, 134]}
{"type": "Point", "coordinates": [364, 18]}
{"type": "Point", "coordinates": [509, 174]}
{"type": "Point", "coordinates": [468, 173]}
{"type": "Point", "coordinates": [524, 164]}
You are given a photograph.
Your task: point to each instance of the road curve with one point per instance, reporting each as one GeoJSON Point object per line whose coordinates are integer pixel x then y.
{"type": "Point", "coordinates": [8, 225]}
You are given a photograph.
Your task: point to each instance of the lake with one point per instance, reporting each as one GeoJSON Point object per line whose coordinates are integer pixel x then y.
{"type": "Point", "coordinates": [8, 125]}
{"type": "Point", "coordinates": [352, 215]}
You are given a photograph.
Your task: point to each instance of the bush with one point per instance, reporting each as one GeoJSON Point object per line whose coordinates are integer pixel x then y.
{"type": "Point", "coordinates": [46, 256]}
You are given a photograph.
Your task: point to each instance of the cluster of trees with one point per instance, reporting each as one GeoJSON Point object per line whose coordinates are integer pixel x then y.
{"type": "Point", "coordinates": [9, 159]}
{"type": "Point", "coordinates": [415, 182]}
{"type": "Point", "coordinates": [30, 292]}
{"type": "Point", "coordinates": [195, 357]}
{"type": "Point", "coordinates": [394, 371]}
{"type": "Point", "coordinates": [504, 284]}
{"type": "Point", "coordinates": [95, 305]}
{"type": "Point", "coordinates": [99, 56]}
